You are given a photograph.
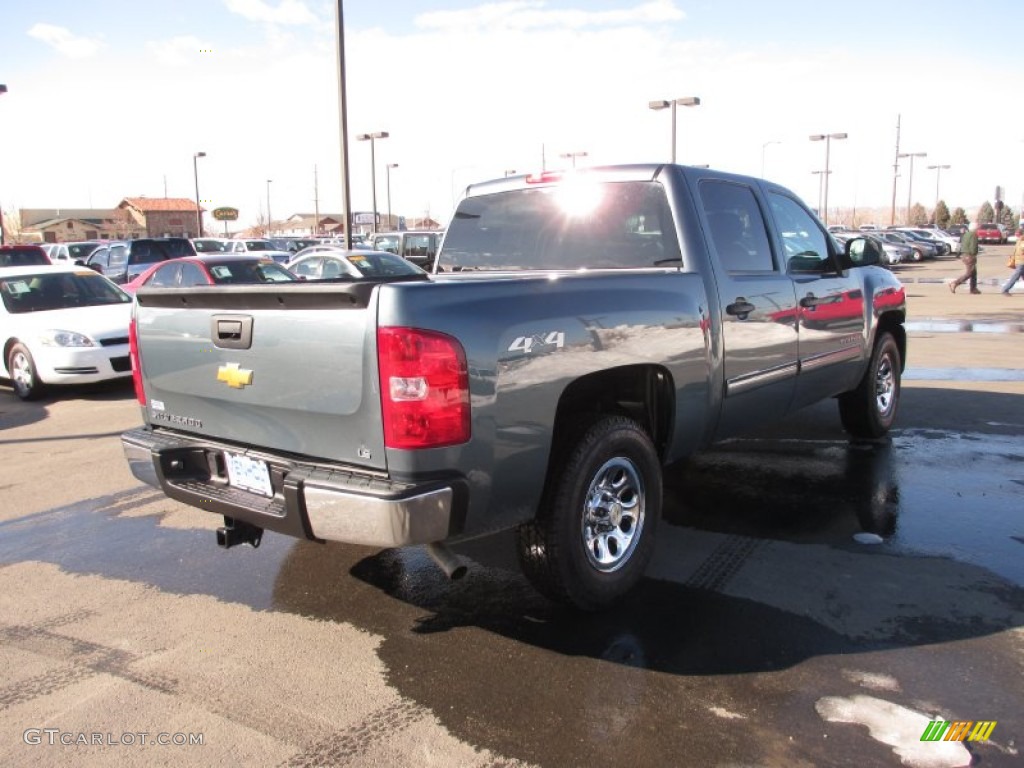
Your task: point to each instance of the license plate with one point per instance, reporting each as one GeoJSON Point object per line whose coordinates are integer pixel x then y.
{"type": "Point", "coordinates": [250, 474]}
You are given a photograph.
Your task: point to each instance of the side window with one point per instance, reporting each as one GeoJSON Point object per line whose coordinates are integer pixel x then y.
{"type": "Point", "coordinates": [191, 274]}
{"type": "Point", "coordinates": [165, 277]}
{"type": "Point", "coordinates": [118, 255]}
{"type": "Point", "coordinates": [100, 257]}
{"type": "Point", "coordinates": [737, 227]}
{"type": "Point", "coordinates": [805, 243]}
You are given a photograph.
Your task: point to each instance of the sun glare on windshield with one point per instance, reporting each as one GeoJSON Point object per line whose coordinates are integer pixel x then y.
{"type": "Point", "coordinates": [578, 197]}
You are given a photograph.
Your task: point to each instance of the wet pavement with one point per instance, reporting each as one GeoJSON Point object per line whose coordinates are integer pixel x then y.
{"type": "Point", "coordinates": [794, 578]}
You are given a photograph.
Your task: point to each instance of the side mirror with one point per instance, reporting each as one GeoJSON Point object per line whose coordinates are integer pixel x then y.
{"type": "Point", "coordinates": [861, 252]}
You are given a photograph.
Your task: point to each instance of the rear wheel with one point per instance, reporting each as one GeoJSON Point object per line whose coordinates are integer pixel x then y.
{"type": "Point", "coordinates": [594, 533]}
{"type": "Point", "coordinates": [22, 369]}
{"type": "Point", "coordinates": [870, 410]}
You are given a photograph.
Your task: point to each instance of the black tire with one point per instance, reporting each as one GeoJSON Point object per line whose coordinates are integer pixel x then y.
{"type": "Point", "coordinates": [870, 410]}
{"type": "Point", "coordinates": [594, 532]}
{"type": "Point", "coordinates": [22, 370]}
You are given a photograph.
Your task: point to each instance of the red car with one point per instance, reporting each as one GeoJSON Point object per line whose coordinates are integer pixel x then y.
{"type": "Point", "coordinates": [213, 268]}
{"type": "Point", "coordinates": [22, 256]}
{"type": "Point", "coordinates": [990, 233]}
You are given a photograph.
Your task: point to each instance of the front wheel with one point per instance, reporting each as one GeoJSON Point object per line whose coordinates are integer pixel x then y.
{"type": "Point", "coordinates": [594, 533]}
{"type": "Point", "coordinates": [22, 369]}
{"type": "Point", "coordinates": [870, 410]}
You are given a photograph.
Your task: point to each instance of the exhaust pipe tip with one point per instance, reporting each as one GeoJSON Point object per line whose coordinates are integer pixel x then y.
{"type": "Point", "coordinates": [447, 561]}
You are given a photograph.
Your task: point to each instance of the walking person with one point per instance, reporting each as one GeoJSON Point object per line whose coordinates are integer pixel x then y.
{"type": "Point", "coordinates": [1016, 263]}
{"type": "Point", "coordinates": [969, 256]}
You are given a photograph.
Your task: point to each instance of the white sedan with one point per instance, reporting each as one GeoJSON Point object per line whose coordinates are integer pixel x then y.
{"type": "Point", "coordinates": [62, 325]}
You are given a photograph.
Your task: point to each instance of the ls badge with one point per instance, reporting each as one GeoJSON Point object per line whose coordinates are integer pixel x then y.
{"type": "Point", "coordinates": [234, 376]}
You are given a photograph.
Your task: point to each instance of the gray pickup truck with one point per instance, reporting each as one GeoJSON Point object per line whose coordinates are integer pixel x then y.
{"type": "Point", "coordinates": [580, 332]}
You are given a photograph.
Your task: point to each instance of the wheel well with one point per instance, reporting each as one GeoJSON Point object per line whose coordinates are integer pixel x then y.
{"type": "Point", "coordinates": [642, 392]}
{"type": "Point", "coordinates": [892, 324]}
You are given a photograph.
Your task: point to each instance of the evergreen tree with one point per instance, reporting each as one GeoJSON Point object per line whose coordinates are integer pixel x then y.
{"type": "Point", "coordinates": [941, 215]}
{"type": "Point", "coordinates": [1007, 217]}
{"type": "Point", "coordinates": [959, 217]}
{"type": "Point", "coordinates": [986, 214]}
{"type": "Point", "coordinates": [918, 215]}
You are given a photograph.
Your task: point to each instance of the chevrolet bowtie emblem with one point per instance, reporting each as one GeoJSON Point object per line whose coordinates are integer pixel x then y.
{"type": "Point", "coordinates": [234, 376]}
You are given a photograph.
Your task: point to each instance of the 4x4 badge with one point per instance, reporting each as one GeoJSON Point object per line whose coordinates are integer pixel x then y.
{"type": "Point", "coordinates": [234, 376]}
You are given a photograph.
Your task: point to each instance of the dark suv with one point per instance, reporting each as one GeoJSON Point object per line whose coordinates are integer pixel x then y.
{"type": "Point", "coordinates": [123, 264]}
{"type": "Point", "coordinates": [22, 256]}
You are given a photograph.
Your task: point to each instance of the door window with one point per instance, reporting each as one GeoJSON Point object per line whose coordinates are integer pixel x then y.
{"type": "Point", "coordinates": [805, 243]}
{"type": "Point", "coordinates": [737, 227]}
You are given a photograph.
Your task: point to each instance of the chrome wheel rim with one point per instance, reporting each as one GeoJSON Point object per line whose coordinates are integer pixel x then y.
{"type": "Point", "coordinates": [885, 385]}
{"type": "Point", "coordinates": [613, 514]}
{"type": "Point", "coordinates": [21, 372]}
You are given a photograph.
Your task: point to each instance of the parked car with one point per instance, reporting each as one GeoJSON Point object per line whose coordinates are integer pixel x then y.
{"type": "Point", "coordinates": [22, 256]}
{"type": "Point", "coordinates": [211, 269]}
{"type": "Point", "coordinates": [924, 236]}
{"type": "Point", "coordinates": [357, 263]}
{"type": "Point", "coordinates": [991, 233]}
{"type": "Point", "coordinates": [418, 247]}
{"type": "Point", "coordinates": [951, 243]}
{"type": "Point", "coordinates": [61, 325]}
{"type": "Point", "coordinates": [956, 230]}
{"type": "Point", "coordinates": [894, 252]}
{"type": "Point", "coordinates": [261, 246]}
{"type": "Point", "coordinates": [123, 264]}
{"type": "Point", "coordinates": [921, 249]}
{"type": "Point", "coordinates": [210, 244]}
{"type": "Point", "coordinates": [292, 244]}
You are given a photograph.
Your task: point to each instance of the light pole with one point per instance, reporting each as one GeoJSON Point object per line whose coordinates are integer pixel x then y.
{"type": "Point", "coordinates": [195, 175]}
{"type": "Point", "coordinates": [763, 148]}
{"type": "Point", "coordinates": [910, 176]}
{"type": "Point", "coordinates": [269, 217]}
{"type": "Point", "coordinates": [372, 138]}
{"type": "Point", "coordinates": [827, 137]}
{"type": "Point", "coordinates": [938, 175]}
{"type": "Point", "coordinates": [3, 234]}
{"type": "Point", "coordinates": [573, 156]}
{"type": "Point", "coordinates": [822, 176]}
{"type": "Point", "coordinates": [389, 166]}
{"type": "Point", "coordinates": [685, 101]}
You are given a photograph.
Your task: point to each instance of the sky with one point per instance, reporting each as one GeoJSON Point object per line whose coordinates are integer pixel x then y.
{"type": "Point", "coordinates": [112, 98]}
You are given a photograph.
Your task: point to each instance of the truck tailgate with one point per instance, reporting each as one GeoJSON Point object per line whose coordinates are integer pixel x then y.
{"type": "Point", "coordinates": [226, 362]}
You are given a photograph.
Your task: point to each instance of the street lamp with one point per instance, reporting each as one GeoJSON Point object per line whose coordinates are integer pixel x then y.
{"type": "Point", "coordinates": [372, 137]}
{"type": "Point", "coordinates": [822, 176]}
{"type": "Point", "coordinates": [938, 175]}
{"type": "Point", "coordinates": [573, 156]}
{"type": "Point", "coordinates": [269, 217]}
{"type": "Point", "coordinates": [763, 148]}
{"type": "Point", "coordinates": [388, 168]}
{"type": "Point", "coordinates": [195, 175]}
{"type": "Point", "coordinates": [827, 137]}
{"type": "Point", "coordinates": [910, 176]}
{"type": "Point", "coordinates": [3, 90]}
{"type": "Point", "coordinates": [685, 101]}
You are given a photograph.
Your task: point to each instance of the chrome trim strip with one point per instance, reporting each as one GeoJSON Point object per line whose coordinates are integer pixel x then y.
{"type": "Point", "coordinates": [354, 519]}
{"type": "Point", "coordinates": [829, 358]}
{"type": "Point", "coordinates": [742, 384]}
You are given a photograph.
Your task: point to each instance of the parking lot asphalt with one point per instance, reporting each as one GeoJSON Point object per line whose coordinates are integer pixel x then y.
{"type": "Point", "coordinates": [812, 601]}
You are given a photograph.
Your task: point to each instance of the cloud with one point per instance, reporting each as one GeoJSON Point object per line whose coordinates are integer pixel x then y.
{"type": "Point", "coordinates": [533, 14]}
{"type": "Point", "coordinates": [177, 51]}
{"type": "Point", "coordinates": [288, 12]}
{"type": "Point", "coordinates": [64, 42]}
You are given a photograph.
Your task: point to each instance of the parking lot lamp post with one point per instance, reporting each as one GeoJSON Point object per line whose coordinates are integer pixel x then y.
{"type": "Point", "coordinates": [572, 156]}
{"type": "Point", "coordinates": [822, 175]}
{"type": "Point", "coordinates": [372, 138]}
{"type": "Point", "coordinates": [827, 138]}
{"type": "Point", "coordinates": [195, 175]}
{"type": "Point", "coordinates": [389, 167]}
{"type": "Point", "coordinates": [269, 217]}
{"type": "Point", "coordinates": [910, 177]}
{"type": "Point", "coordinates": [938, 175]}
{"type": "Point", "coordinates": [3, 90]}
{"type": "Point", "coordinates": [685, 101]}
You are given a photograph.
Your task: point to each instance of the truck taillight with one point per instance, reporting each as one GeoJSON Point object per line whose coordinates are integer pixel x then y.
{"type": "Point", "coordinates": [424, 384]}
{"type": "Point", "coordinates": [133, 352]}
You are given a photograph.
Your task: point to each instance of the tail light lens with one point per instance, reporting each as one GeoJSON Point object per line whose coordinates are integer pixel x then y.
{"type": "Point", "coordinates": [133, 352]}
{"type": "Point", "coordinates": [424, 384]}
